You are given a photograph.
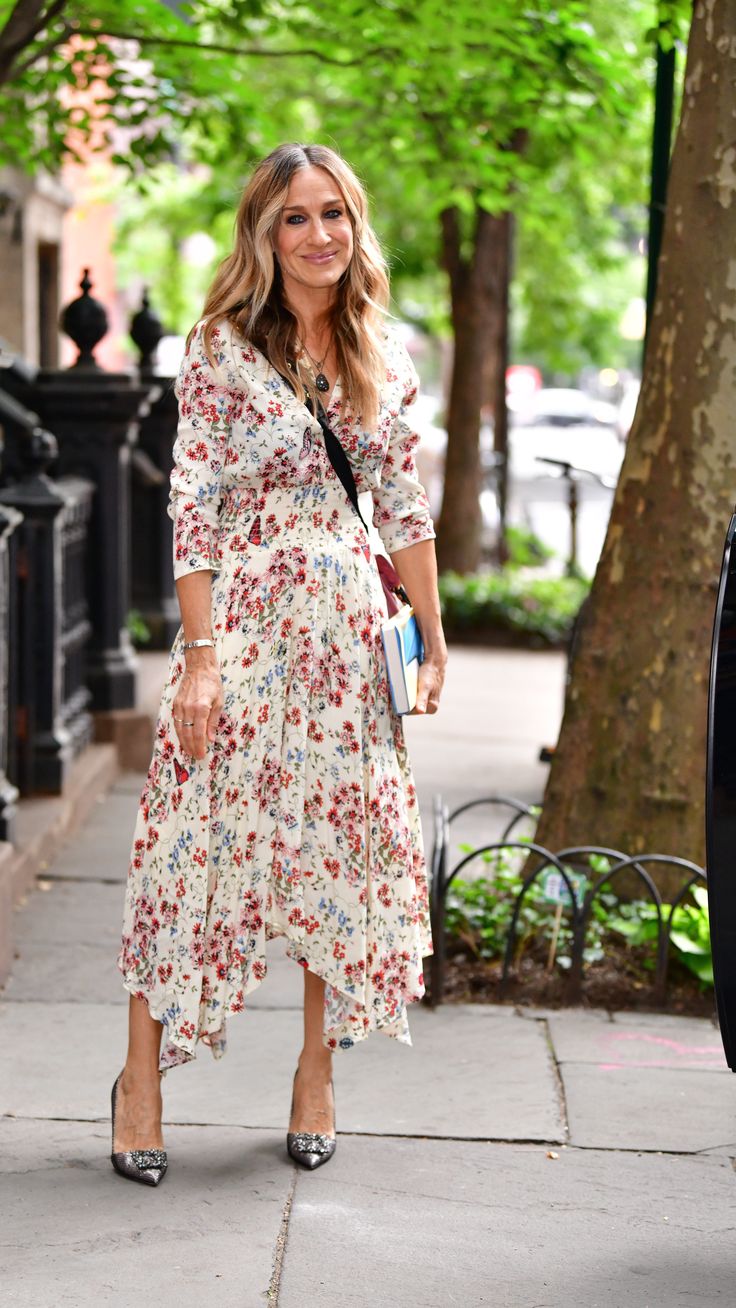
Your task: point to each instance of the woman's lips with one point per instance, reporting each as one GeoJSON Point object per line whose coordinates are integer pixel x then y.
{"type": "Point", "coordinates": [320, 258]}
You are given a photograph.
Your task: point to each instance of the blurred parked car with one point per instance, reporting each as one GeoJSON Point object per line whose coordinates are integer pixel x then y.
{"type": "Point", "coordinates": [562, 406]}
{"type": "Point", "coordinates": [565, 424]}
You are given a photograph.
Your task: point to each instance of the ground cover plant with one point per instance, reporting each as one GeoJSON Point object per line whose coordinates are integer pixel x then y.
{"type": "Point", "coordinates": [620, 943]}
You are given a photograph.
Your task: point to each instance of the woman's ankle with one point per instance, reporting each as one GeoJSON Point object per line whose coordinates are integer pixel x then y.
{"type": "Point", "coordinates": [136, 1078]}
{"type": "Point", "coordinates": [317, 1062]}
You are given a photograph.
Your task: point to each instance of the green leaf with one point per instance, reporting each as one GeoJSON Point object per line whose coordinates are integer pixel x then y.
{"type": "Point", "coordinates": [687, 945]}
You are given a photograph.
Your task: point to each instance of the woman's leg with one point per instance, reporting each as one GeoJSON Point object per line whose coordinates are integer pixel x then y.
{"type": "Point", "coordinates": [138, 1107]}
{"type": "Point", "coordinates": [313, 1102]}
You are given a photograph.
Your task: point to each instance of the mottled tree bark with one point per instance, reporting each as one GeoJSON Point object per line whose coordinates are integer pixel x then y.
{"type": "Point", "coordinates": [630, 763]}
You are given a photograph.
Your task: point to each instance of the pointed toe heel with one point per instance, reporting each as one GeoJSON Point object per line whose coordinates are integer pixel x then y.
{"type": "Point", "coordinates": [145, 1165]}
{"type": "Point", "coordinates": [148, 1166]}
{"type": "Point", "coordinates": [310, 1148]}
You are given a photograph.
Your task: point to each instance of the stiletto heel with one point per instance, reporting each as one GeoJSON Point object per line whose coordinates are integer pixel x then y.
{"type": "Point", "coordinates": [310, 1148]}
{"type": "Point", "coordinates": [145, 1165]}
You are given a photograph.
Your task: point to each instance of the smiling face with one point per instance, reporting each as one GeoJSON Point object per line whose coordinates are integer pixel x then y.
{"type": "Point", "coordinates": [313, 239]}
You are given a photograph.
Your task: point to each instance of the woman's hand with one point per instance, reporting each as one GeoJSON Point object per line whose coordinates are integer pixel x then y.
{"type": "Point", "coordinates": [417, 567]}
{"type": "Point", "coordinates": [430, 681]}
{"type": "Point", "coordinates": [198, 702]}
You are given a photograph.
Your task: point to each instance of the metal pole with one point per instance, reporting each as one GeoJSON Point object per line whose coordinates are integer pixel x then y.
{"type": "Point", "coordinates": [572, 567]}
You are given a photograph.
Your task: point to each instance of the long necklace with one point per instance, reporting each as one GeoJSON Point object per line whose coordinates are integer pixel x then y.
{"type": "Point", "coordinates": [320, 380]}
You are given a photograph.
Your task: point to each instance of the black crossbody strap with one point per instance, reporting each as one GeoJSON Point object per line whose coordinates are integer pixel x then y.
{"type": "Point", "coordinates": [390, 579]}
{"type": "Point", "coordinates": [335, 453]}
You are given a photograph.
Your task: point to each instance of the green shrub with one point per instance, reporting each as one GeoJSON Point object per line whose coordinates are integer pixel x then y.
{"type": "Point", "coordinates": [525, 549]}
{"type": "Point", "coordinates": [544, 607]}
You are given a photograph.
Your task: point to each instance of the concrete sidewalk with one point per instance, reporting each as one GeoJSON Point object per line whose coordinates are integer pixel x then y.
{"type": "Point", "coordinates": [513, 1157]}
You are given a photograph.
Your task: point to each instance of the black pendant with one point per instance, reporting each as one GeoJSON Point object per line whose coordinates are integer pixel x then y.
{"type": "Point", "coordinates": [321, 382]}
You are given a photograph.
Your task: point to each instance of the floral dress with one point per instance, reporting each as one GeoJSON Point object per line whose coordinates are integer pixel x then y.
{"type": "Point", "coordinates": [302, 818]}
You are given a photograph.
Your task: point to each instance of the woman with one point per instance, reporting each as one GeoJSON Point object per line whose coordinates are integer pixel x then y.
{"type": "Point", "coordinates": [280, 799]}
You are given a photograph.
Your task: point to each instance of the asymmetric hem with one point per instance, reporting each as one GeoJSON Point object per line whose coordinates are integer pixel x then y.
{"type": "Point", "coordinates": [340, 1027]}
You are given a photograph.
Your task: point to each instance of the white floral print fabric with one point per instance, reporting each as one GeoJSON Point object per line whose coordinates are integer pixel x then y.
{"type": "Point", "coordinates": [302, 819]}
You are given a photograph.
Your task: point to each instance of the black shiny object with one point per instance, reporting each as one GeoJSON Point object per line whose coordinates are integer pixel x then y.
{"type": "Point", "coordinates": [146, 330]}
{"type": "Point", "coordinates": [145, 1165]}
{"type": "Point", "coordinates": [85, 321]}
{"type": "Point", "coordinates": [310, 1148]}
{"type": "Point", "coordinates": [321, 382]}
{"type": "Point", "coordinates": [720, 798]}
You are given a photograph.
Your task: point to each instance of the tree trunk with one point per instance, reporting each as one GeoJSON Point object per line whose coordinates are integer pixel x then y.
{"type": "Point", "coordinates": [474, 296]}
{"type": "Point", "coordinates": [500, 406]}
{"type": "Point", "coordinates": [630, 764]}
{"type": "Point", "coordinates": [27, 20]}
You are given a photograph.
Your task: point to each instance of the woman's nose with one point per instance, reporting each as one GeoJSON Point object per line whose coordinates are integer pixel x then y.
{"type": "Point", "coordinates": [320, 235]}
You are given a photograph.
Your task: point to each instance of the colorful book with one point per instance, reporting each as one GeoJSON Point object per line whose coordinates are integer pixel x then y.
{"type": "Point", "coordinates": [404, 652]}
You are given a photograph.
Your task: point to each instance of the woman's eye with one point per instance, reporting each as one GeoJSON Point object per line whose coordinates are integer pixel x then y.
{"type": "Point", "coordinates": [295, 218]}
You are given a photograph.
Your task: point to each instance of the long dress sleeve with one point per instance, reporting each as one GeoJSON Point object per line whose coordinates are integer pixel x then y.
{"type": "Point", "coordinates": [401, 513]}
{"type": "Point", "coordinates": [208, 400]}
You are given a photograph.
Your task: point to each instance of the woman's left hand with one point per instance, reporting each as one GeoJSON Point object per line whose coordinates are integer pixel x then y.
{"type": "Point", "coordinates": [429, 688]}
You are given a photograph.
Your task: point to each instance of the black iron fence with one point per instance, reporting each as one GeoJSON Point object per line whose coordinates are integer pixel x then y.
{"type": "Point", "coordinates": [70, 567]}
{"type": "Point", "coordinates": [579, 887]}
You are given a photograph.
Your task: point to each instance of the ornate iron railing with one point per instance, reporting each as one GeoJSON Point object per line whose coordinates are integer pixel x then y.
{"type": "Point", "coordinates": [579, 905]}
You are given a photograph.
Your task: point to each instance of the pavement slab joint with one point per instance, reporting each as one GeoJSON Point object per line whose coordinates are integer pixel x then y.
{"type": "Point", "coordinates": [557, 1074]}
{"type": "Point", "coordinates": [272, 1293]}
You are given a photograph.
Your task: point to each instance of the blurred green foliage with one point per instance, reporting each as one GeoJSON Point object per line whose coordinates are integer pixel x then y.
{"type": "Point", "coordinates": [137, 628]}
{"type": "Point", "coordinates": [543, 108]}
{"type": "Point", "coordinates": [525, 549]}
{"type": "Point", "coordinates": [690, 934]}
{"type": "Point", "coordinates": [542, 608]}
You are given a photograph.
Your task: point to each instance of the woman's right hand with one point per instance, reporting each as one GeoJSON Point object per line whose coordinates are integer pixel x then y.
{"type": "Point", "coordinates": [198, 701]}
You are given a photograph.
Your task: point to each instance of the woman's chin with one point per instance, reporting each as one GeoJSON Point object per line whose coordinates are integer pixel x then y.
{"type": "Point", "coordinates": [321, 278]}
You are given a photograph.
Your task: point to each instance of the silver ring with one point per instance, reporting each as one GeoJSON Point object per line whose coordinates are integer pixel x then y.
{"type": "Point", "coordinates": [186, 724]}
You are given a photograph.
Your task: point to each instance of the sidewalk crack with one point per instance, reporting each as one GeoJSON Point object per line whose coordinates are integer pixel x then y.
{"type": "Point", "coordinates": [557, 1075]}
{"type": "Point", "coordinates": [274, 1285]}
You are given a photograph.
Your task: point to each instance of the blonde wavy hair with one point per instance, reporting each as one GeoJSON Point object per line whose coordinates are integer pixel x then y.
{"type": "Point", "coordinates": [247, 288]}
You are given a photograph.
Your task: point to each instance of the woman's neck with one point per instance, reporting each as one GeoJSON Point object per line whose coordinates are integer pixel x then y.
{"type": "Point", "coordinates": [311, 309]}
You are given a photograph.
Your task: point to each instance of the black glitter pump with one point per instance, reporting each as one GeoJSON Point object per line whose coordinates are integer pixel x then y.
{"type": "Point", "coordinates": [145, 1165]}
{"type": "Point", "coordinates": [310, 1148]}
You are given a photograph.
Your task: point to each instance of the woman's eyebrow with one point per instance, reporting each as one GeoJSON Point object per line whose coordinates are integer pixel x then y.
{"type": "Point", "coordinates": [326, 205]}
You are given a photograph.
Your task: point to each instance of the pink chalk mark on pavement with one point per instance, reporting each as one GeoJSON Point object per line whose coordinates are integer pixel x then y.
{"type": "Point", "coordinates": [704, 1056]}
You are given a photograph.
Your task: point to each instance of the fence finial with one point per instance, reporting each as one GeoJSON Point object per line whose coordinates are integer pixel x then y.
{"type": "Point", "coordinates": [146, 331]}
{"type": "Point", "coordinates": [85, 321]}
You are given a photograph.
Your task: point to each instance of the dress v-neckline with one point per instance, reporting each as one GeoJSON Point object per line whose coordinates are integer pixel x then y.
{"type": "Point", "coordinates": [328, 407]}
